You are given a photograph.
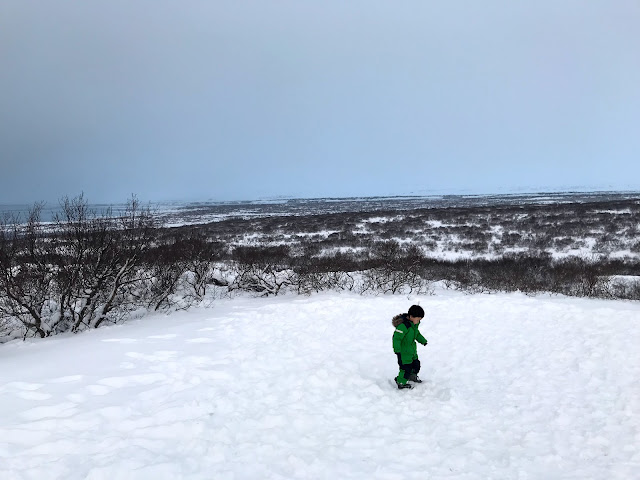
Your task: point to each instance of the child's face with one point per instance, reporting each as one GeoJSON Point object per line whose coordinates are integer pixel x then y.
{"type": "Point", "coordinates": [415, 320]}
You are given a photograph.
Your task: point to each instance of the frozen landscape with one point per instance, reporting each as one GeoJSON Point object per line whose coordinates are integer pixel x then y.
{"type": "Point", "coordinates": [211, 211]}
{"type": "Point", "coordinates": [297, 387]}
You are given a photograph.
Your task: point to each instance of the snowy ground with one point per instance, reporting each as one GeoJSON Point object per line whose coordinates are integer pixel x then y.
{"type": "Point", "coordinates": [298, 388]}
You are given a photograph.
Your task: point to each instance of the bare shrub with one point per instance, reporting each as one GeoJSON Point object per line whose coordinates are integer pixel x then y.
{"type": "Point", "coordinates": [99, 261]}
{"type": "Point", "coordinates": [26, 276]}
{"type": "Point", "coordinates": [263, 270]}
{"type": "Point", "coordinates": [394, 269]}
{"type": "Point", "coordinates": [326, 272]}
{"type": "Point", "coordinates": [199, 257]}
{"type": "Point", "coordinates": [179, 269]}
{"type": "Point", "coordinates": [77, 273]}
{"type": "Point", "coordinates": [163, 280]}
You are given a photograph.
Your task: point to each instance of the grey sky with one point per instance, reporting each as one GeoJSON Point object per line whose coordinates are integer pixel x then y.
{"type": "Point", "coordinates": [248, 99]}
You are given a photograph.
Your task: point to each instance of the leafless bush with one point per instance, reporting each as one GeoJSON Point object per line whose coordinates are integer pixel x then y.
{"type": "Point", "coordinates": [182, 268]}
{"type": "Point", "coordinates": [78, 272]}
{"type": "Point", "coordinates": [316, 273]}
{"type": "Point", "coordinates": [100, 258]}
{"type": "Point", "coordinates": [263, 270]}
{"type": "Point", "coordinates": [162, 285]}
{"type": "Point", "coordinates": [26, 275]}
{"type": "Point", "coordinates": [394, 269]}
{"type": "Point", "coordinates": [623, 288]}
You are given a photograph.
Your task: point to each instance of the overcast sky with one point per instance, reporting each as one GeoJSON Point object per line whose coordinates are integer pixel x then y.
{"type": "Point", "coordinates": [228, 100]}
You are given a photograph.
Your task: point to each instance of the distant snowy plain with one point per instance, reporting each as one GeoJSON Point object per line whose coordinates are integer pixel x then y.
{"type": "Point", "coordinates": [516, 387]}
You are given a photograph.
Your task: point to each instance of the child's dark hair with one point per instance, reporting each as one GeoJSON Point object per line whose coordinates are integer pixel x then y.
{"type": "Point", "coordinates": [416, 311]}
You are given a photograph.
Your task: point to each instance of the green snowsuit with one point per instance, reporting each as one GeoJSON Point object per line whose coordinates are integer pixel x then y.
{"type": "Point", "coordinates": [404, 342]}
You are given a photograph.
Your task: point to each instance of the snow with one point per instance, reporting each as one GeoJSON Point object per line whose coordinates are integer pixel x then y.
{"type": "Point", "coordinates": [385, 219]}
{"type": "Point", "coordinates": [516, 387]}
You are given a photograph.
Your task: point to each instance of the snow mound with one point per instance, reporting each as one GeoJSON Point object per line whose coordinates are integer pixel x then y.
{"type": "Point", "coordinates": [298, 388]}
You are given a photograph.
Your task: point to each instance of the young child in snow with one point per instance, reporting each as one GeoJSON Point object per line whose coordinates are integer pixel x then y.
{"type": "Point", "coordinates": [404, 345]}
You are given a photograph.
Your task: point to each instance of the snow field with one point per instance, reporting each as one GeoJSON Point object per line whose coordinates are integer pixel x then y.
{"type": "Point", "coordinates": [515, 387]}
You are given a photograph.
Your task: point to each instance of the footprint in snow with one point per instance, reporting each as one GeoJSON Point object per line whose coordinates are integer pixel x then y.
{"type": "Point", "coordinates": [67, 379]}
{"type": "Point", "coordinates": [60, 410]}
{"type": "Point", "coordinates": [30, 395]}
{"type": "Point", "coordinates": [158, 356]}
{"type": "Point", "coordinates": [132, 380]}
{"type": "Point", "coordinates": [98, 390]}
{"type": "Point", "coordinates": [26, 391]}
{"type": "Point", "coordinates": [76, 398]}
{"type": "Point", "coordinates": [444, 394]}
{"type": "Point", "coordinates": [22, 386]}
{"type": "Point", "coordinates": [201, 340]}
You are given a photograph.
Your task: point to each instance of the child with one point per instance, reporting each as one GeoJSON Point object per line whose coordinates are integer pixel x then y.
{"type": "Point", "coordinates": [404, 345]}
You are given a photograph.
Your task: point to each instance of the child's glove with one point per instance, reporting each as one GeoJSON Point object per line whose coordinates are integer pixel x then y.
{"type": "Point", "coordinates": [425, 343]}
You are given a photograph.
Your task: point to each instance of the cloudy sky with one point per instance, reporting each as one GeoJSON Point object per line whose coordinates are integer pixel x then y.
{"type": "Point", "coordinates": [228, 100]}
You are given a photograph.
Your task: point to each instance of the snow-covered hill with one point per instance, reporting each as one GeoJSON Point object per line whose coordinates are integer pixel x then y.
{"type": "Point", "coordinates": [516, 387]}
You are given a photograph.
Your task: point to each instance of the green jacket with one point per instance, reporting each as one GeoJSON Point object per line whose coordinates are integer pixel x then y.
{"type": "Point", "coordinates": [405, 337]}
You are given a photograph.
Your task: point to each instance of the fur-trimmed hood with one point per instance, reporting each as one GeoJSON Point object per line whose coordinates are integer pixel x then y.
{"type": "Point", "coordinates": [398, 319]}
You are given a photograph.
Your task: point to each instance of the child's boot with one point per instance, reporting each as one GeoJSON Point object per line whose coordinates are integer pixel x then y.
{"type": "Point", "coordinates": [402, 385]}
{"type": "Point", "coordinates": [414, 378]}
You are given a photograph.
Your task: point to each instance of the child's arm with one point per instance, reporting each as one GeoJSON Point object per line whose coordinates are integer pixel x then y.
{"type": "Point", "coordinates": [421, 339]}
{"type": "Point", "coordinates": [398, 335]}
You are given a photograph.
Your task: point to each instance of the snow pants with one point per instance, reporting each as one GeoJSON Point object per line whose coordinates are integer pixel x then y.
{"type": "Point", "coordinates": [407, 369]}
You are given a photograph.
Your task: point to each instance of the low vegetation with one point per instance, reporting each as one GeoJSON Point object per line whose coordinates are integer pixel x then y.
{"type": "Point", "coordinates": [87, 268]}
